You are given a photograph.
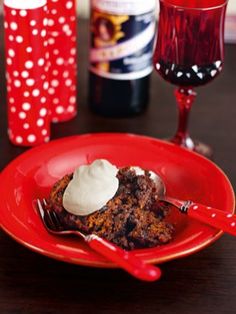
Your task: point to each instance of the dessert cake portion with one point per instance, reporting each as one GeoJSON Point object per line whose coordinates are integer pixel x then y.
{"type": "Point", "coordinates": [133, 218]}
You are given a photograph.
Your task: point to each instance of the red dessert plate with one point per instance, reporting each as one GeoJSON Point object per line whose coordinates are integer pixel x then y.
{"type": "Point", "coordinates": [187, 176]}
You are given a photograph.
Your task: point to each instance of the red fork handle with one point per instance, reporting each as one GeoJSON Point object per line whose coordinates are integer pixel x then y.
{"type": "Point", "coordinates": [213, 217]}
{"type": "Point", "coordinates": [126, 260]}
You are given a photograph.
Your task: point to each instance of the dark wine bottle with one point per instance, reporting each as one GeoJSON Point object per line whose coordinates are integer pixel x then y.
{"type": "Point", "coordinates": [122, 35]}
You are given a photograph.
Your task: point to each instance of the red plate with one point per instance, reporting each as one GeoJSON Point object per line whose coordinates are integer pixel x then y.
{"type": "Point", "coordinates": [187, 176]}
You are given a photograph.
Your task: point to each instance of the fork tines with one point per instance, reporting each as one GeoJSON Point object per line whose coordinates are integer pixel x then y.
{"type": "Point", "coordinates": [49, 217]}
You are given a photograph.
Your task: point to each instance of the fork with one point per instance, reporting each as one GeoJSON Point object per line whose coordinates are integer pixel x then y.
{"type": "Point", "coordinates": [126, 260]}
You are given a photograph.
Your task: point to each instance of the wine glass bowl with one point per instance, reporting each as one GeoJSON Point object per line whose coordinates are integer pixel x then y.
{"type": "Point", "coordinates": [189, 53]}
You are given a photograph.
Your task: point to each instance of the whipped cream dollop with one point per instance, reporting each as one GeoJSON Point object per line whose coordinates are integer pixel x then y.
{"type": "Point", "coordinates": [140, 172]}
{"type": "Point", "coordinates": [91, 188]}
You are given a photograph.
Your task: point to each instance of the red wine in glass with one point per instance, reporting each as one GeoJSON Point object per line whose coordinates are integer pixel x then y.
{"type": "Point", "coordinates": [190, 52]}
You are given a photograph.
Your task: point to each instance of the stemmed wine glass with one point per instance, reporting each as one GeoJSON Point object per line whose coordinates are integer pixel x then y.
{"type": "Point", "coordinates": [189, 52]}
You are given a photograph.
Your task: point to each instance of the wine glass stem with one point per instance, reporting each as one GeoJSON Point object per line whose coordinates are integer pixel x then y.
{"type": "Point", "coordinates": [185, 97]}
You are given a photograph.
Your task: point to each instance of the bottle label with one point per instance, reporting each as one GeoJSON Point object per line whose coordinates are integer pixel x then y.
{"type": "Point", "coordinates": [122, 40]}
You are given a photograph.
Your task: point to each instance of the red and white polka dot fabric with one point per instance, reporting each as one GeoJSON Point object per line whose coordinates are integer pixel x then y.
{"type": "Point", "coordinates": [62, 50]}
{"type": "Point", "coordinates": [27, 71]}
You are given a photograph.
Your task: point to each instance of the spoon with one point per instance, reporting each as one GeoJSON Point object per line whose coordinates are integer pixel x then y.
{"type": "Point", "coordinates": [216, 218]}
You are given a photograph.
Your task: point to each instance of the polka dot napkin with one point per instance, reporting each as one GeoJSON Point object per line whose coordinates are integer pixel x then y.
{"type": "Point", "coordinates": [40, 67]}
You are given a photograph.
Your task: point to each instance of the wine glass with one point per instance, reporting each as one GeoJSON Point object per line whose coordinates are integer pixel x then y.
{"type": "Point", "coordinates": [189, 52]}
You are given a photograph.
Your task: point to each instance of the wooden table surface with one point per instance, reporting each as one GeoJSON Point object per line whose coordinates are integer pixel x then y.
{"type": "Point", "coordinates": [202, 283]}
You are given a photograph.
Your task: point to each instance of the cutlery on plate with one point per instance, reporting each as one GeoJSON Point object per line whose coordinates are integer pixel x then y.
{"type": "Point", "coordinates": [126, 260]}
{"type": "Point", "coordinates": [216, 218]}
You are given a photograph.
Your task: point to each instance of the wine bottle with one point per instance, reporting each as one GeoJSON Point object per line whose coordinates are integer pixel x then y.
{"type": "Point", "coordinates": [121, 50]}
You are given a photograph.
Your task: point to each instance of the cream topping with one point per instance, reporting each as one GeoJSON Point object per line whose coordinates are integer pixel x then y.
{"type": "Point", "coordinates": [91, 188]}
{"type": "Point", "coordinates": [140, 172]}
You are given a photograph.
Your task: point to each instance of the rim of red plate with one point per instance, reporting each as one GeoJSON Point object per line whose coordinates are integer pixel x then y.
{"type": "Point", "coordinates": [186, 5]}
{"type": "Point", "coordinates": [173, 254]}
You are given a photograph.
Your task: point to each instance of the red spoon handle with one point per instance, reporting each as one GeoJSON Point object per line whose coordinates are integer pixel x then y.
{"type": "Point", "coordinates": [214, 217]}
{"type": "Point", "coordinates": [126, 260]}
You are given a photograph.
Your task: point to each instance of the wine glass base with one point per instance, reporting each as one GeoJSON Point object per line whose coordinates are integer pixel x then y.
{"type": "Point", "coordinates": [194, 145]}
{"type": "Point", "coordinates": [203, 149]}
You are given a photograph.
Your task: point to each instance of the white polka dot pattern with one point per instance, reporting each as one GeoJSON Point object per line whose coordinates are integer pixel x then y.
{"type": "Point", "coordinates": [62, 49]}
{"type": "Point", "coordinates": [26, 64]}
{"type": "Point", "coordinates": [214, 217]}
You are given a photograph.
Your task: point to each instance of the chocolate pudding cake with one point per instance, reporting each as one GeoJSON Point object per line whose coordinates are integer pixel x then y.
{"type": "Point", "coordinates": [132, 219]}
